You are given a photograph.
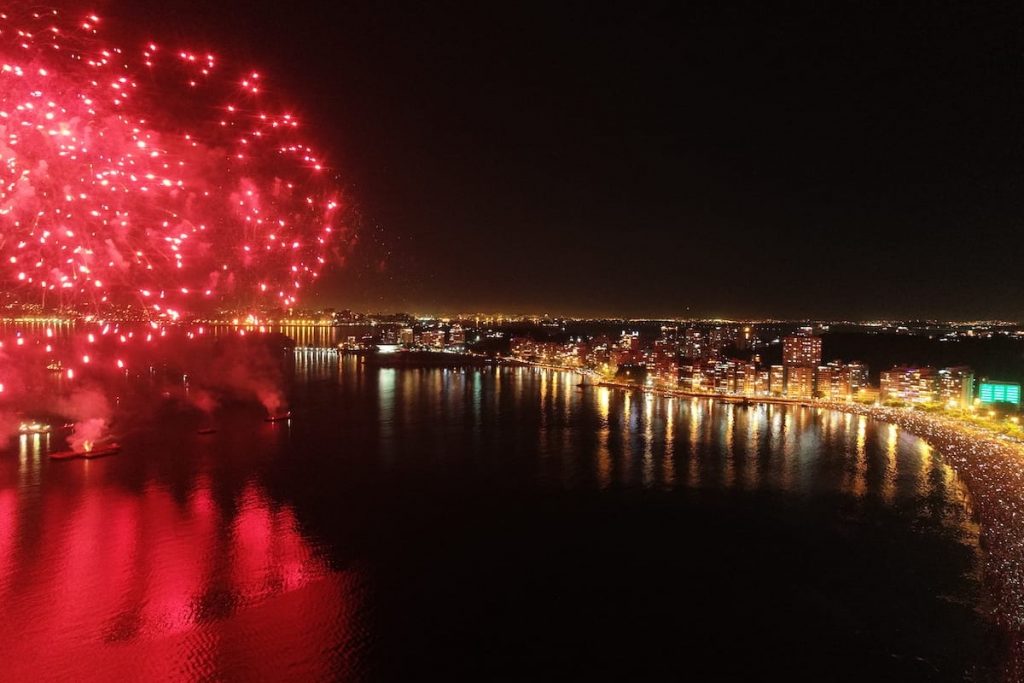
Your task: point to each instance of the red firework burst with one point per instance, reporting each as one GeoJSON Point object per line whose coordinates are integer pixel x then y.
{"type": "Point", "coordinates": [150, 177]}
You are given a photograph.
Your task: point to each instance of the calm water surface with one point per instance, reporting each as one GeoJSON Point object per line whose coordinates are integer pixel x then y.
{"type": "Point", "coordinates": [490, 524]}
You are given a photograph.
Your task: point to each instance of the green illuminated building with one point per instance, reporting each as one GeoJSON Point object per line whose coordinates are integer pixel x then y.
{"type": "Point", "coordinates": [998, 392]}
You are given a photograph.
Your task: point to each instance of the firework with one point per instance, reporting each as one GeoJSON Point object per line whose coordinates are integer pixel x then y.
{"type": "Point", "coordinates": [145, 182]}
{"type": "Point", "coordinates": [150, 177]}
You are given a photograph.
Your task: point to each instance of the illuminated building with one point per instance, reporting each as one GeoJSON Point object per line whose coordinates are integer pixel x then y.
{"type": "Point", "coordinates": [838, 381]}
{"type": "Point", "coordinates": [801, 350]}
{"type": "Point", "coordinates": [719, 337]}
{"type": "Point", "coordinates": [746, 378]}
{"type": "Point", "coordinates": [801, 354]}
{"type": "Point", "coordinates": [406, 336]}
{"type": "Point", "coordinates": [829, 385]}
{"type": "Point", "coordinates": [704, 375]}
{"type": "Point", "coordinates": [457, 335]}
{"type": "Point", "coordinates": [693, 344]}
{"type": "Point", "coordinates": [909, 384]}
{"type": "Point", "coordinates": [521, 347]}
{"type": "Point", "coordinates": [745, 338]}
{"type": "Point", "coordinates": [725, 377]}
{"type": "Point", "coordinates": [762, 385]}
{"type": "Point", "coordinates": [927, 385]}
{"type": "Point", "coordinates": [628, 351]}
{"type": "Point", "coordinates": [856, 378]}
{"type": "Point", "coordinates": [777, 380]}
{"type": "Point", "coordinates": [689, 375]}
{"type": "Point", "coordinates": [800, 381]}
{"type": "Point", "coordinates": [663, 362]}
{"type": "Point", "coordinates": [432, 338]}
{"type": "Point", "coordinates": [990, 392]}
{"type": "Point", "coordinates": [955, 385]}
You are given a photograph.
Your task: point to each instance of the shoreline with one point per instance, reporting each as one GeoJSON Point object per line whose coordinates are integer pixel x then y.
{"type": "Point", "coordinates": [990, 465]}
{"type": "Point", "coordinates": [991, 468]}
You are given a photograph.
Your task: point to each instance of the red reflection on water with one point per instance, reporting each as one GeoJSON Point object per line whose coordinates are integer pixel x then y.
{"type": "Point", "coordinates": [8, 516]}
{"type": "Point", "coordinates": [101, 583]}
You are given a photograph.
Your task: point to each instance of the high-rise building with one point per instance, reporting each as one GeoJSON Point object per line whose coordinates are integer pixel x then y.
{"type": "Point", "coordinates": [693, 344]}
{"type": "Point", "coordinates": [432, 338]}
{"type": "Point", "coordinates": [993, 392]}
{"type": "Point", "coordinates": [910, 384]}
{"type": "Point", "coordinates": [628, 349]}
{"type": "Point", "coordinates": [725, 376]}
{"type": "Point", "coordinates": [800, 381]}
{"type": "Point", "coordinates": [746, 378]}
{"type": "Point", "coordinates": [829, 384]}
{"type": "Point", "coordinates": [955, 385]}
{"type": "Point", "coordinates": [663, 362]}
{"type": "Point", "coordinates": [745, 338]}
{"type": "Point", "coordinates": [718, 338]}
{"type": "Point", "coordinates": [689, 375]}
{"type": "Point", "coordinates": [803, 350]}
{"type": "Point", "coordinates": [762, 385]}
{"type": "Point", "coordinates": [777, 380]}
{"type": "Point", "coordinates": [457, 335]}
{"type": "Point", "coordinates": [856, 377]}
{"type": "Point", "coordinates": [838, 381]}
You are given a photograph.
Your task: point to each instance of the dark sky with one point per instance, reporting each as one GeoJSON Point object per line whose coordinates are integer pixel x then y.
{"type": "Point", "coordinates": [657, 159]}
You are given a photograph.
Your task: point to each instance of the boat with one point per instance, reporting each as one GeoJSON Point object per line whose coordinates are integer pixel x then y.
{"type": "Point", "coordinates": [279, 417]}
{"type": "Point", "coordinates": [109, 449]}
{"type": "Point", "coordinates": [88, 454]}
{"type": "Point", "coordinates": [34, 428]}
{"type": "Point", "coordinates": [64, 455]}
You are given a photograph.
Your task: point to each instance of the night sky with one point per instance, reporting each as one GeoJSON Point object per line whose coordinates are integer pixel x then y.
{"type": "Point", "coordinates": [848, 160]}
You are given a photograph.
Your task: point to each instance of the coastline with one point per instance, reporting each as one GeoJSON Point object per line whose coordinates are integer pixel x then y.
{"type": "Point", "coordinates": [991, 467]}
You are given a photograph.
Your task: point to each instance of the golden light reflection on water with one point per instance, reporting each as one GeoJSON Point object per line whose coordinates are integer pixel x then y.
{"type": "Point", "coordinates": [604, 465]}
{"type": "Point", "coordinates": [924, 483]}
{"type": "Point", "coordinates": [566, 414]}
{"type": "Point", "coordinates": [889, 473]}
{"type": "Point", "coordinates": [545, 398]}
{"type": "Point", "coordinates": [861, 458]}
{"type": "Point", "coordinates": [387, 397]}
{"type": "Point", "coordinates": [648, 441]}
{"type": "Point", "coordinates": [755, 425]}
{"type": "Point", "coordinates": [789, 439]}
{"type": "Point", "coordinates": [669, 458]}
{"type": "Point", "coordinates": [729, 454]}
{"type": "Point", "coordinates": [695, 417]}
{"type": "Point", "coordinates": [32, 448]}
{"type": "Point", "coordinates": [652, 441]}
